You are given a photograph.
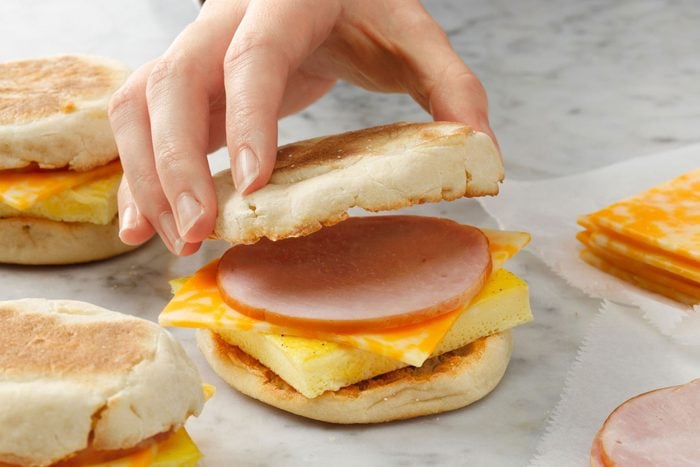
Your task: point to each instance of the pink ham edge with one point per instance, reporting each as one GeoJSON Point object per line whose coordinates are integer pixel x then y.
{"type": "Point", "coordinates": [381, 271]}
{"type": "Point", "coordinates": [661, 427]}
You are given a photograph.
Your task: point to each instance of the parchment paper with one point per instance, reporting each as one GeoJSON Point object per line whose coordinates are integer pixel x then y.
{"type": "Point", "coordinates": [621, 357]}
{"type": "Point", "coordinates": [548, 210]}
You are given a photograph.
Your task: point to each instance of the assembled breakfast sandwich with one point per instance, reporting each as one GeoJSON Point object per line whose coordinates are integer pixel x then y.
{"type": "Point", "coordinates": [81, 385]}
{"type": "Point", "coordinates": [59, 168]}
{"type": "Point", "coordinates": [368, 319]}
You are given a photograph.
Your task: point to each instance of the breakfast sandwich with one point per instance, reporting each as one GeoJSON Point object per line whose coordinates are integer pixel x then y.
{"type": "Point", "coordinates": [59, 167]}
{"type": "Point", "coordinates": [368, 319]}
{"type": "Point", "coordinates": [81, 385]}
{"type": "Point", "coordinates": [651, 240]}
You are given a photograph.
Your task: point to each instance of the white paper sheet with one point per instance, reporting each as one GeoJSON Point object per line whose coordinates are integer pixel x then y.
{"type": "Point", "coordinates": [548, 210]}
{"type": "Point", "coordinates": [621, 357]}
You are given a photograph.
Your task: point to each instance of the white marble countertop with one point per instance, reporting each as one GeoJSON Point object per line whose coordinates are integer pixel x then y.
{"type": "Point", "coordinates": [573, 86]}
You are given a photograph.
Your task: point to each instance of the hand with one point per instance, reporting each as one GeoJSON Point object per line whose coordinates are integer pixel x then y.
{"type": "Point", "coordinates": [240, 66]}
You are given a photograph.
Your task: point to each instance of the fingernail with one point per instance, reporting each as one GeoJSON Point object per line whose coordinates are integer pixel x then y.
{"type": "Point", "coordinates": [189, 211]}
{"type": "Point", "coordinates": [246, 169]}
{"type": "Point", "coordinates": [169, 229]}
{"type": "Point", "coordinates": [128, 219]}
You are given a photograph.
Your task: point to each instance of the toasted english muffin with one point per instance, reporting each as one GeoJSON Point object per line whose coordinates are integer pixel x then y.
{"type": "Point", "coordinates": [389, 167]}
{"type": "Point", "coordinates": [446, 382]}
{"type": "Point", "coordinates": [74, 376]}
{"type": "Point", "coordinates": [53, 111]}
{"type": "Point", "coordinates": [28, 240]}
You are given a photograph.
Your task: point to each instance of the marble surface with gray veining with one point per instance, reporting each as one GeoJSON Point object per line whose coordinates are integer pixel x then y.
{"type": "Point", "coordinates": [572, 85]}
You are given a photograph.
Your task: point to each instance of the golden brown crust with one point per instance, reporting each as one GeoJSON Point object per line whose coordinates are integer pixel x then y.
{"type": "Point", "coordinates": [75, 376]}
{"type": "Point", "coordinates": [42, 87]}
{"type": "Point", "coordinates": [41, 344]}
{"type": "Point", "coordinates": [35, 241]}
{"type": "Point", "coordinates": [317, 181]}
{"type": "Point", "coordinates": [366, 142]}
{"type": "Point", "coordinates": [446, 382]}
{"type": "Point", "coordinates": [53, 111]}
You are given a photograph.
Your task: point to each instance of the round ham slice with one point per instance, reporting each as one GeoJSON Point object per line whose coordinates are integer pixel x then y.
{"type": "Point", "coordinates": [660, 427]}
{"type": "Point", "coordinates": [365, 273]}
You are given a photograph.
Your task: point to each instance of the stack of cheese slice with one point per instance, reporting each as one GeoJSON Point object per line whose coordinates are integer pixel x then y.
{"type": "Point", "coordinates": [651, 240]}
{"type": "Point", "coordinates": [314, 361]}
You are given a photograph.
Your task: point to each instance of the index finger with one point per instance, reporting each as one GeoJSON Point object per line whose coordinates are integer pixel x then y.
{"type": "Point", "coordinates": [269, 44]}
{"type": "Point", "coordinates": [178, 93]}
{"type": "Point", "coordinates": [181, 87]}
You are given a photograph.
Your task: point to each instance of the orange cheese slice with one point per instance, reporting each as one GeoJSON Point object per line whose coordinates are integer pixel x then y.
{"type": "Point", "coordinates": [651, 240]}
{"type": "Point", "coordinates": [198, 303]}
{"type": "Point", "coordinates": [635, 278]}
{"type": "Point", "coordinates": [175, 450]}
{"type": "Point", "coordinates": [617, 244]}
{"type": "Point", "coordinates": [666, 217]}
{"type": "Point", "coordinates": [21, 190]}
{"type": "Point", "coordinates": [504, 244]}
{"type": "Point", "coordinates": [643, 273]}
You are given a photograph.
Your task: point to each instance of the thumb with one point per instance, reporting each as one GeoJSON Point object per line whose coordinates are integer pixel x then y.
{"type": "Point", "coordinates": [459, 96]}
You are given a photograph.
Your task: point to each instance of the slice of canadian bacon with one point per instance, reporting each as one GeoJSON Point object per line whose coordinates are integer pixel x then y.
{"type": "Point", "coordinates": [363, 274]}
{"type": "Point", "coordinates": [660, 427]}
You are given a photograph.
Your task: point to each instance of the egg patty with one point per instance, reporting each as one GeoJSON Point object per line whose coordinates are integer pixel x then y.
{"type": "Point", "coordinates": [94, 202]}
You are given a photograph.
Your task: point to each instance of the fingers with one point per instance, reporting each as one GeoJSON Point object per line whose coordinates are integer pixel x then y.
{"type": "Point", "coordinates": [134, 229]}
{"type": "Point", "coordinates": [131, 126]}
{"type": "Point", "coordinates": [459, 96]}
{"type": "Point", "coordinates": [437, 77]}
{"type": "Point", "coordinates": [302, 90]}
{"type": "Point", "coordinates": [178, 107]}
{"type": "Point", "coordinates": [183, 90]}
{"type": "Point", "coordinates": [267, 48]}
{"type": "Point", "coordinates": [180, 90]}
{"type": "Point", "coordinates": [132, 225]}
{"type": "Point", "coordinates": [169, 114]}
{"type": "Point", "coordinates": [160, 119]}
{"type": "Point", "coordinates": [395, 46]}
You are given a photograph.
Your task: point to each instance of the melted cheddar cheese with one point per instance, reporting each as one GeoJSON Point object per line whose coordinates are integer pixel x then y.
{"type": "Point", "coordinates": [198, 303]}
